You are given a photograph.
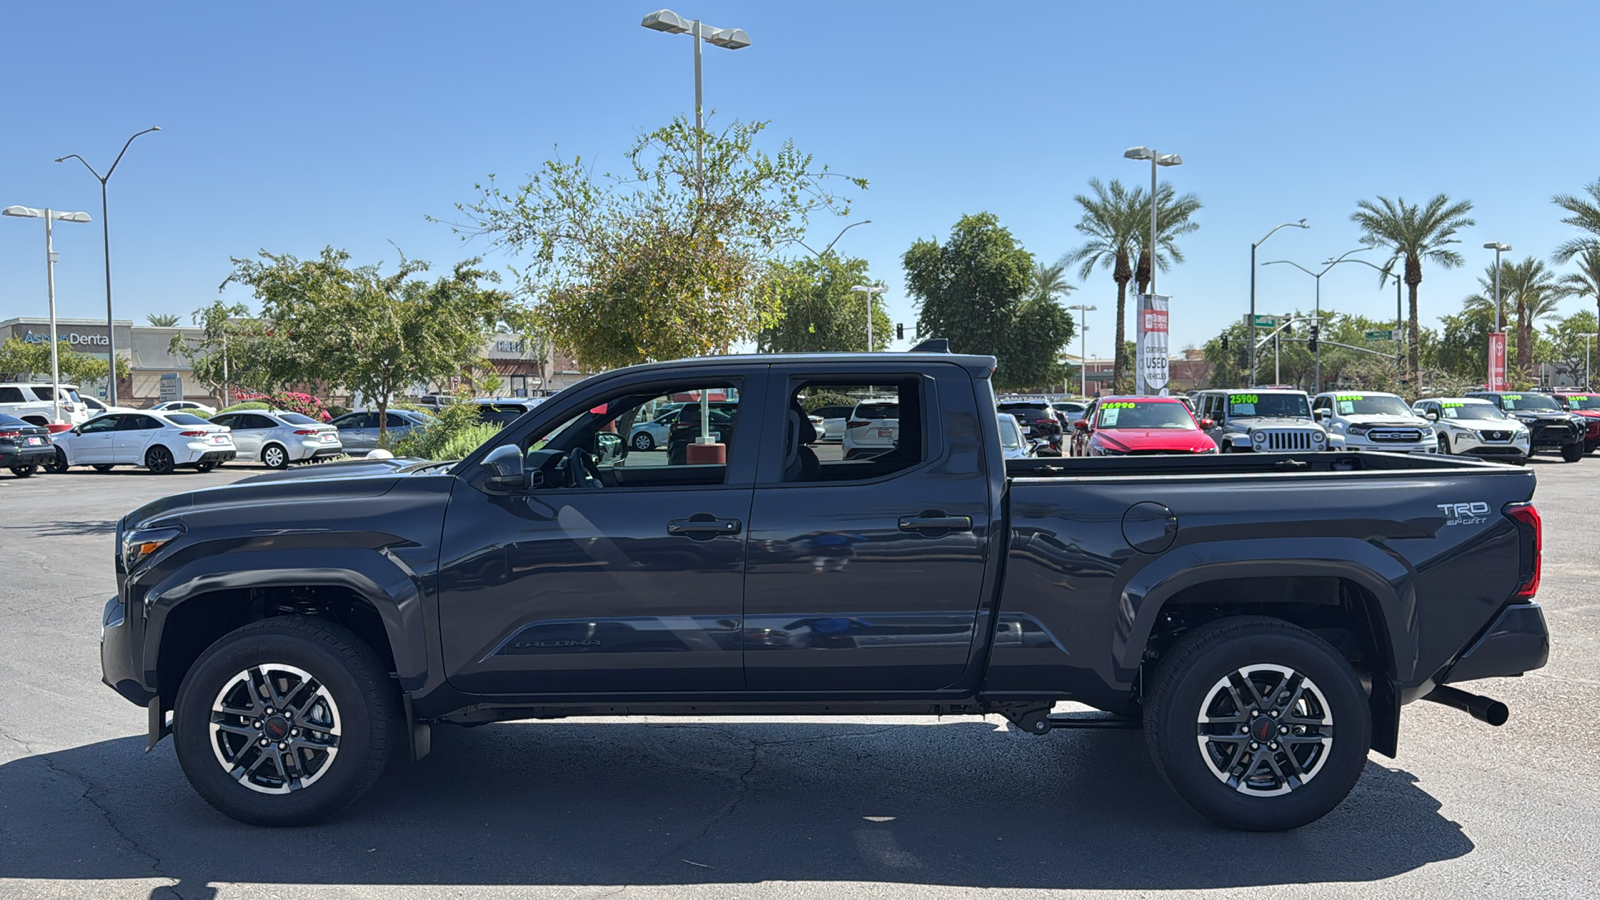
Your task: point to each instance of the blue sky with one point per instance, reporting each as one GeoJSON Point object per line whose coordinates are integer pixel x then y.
{"type": "Point", "coordinates": [299, 125]}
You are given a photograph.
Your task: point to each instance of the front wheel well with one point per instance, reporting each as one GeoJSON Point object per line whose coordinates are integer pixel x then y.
{"type": "Point", "coordinates": [201, 620]}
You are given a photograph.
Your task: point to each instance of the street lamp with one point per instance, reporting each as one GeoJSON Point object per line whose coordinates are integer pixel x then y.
{"type": "Point", "coordinates": [1299, 224]}
{"type": "Point", "coordinates": [1156, 159]}
{"type": "Point", "coordinates": [869, 291]}
{"type": "Point", "coordinates": [1316, 318]}
{"type": "Point", "coordinates": [105, 230]}
{"type": "Point", "coordinates": [1588, 360]}
{"type": "Point", "coordinates": [1083, 353]}
{"type": "Point", "coordinates": [49, 215]}
{"type": "Point", "coordinates": [731, 39]}
{"type": "Point", "coordinates": [1399, 320]}
{"type": "Point", "coordinates": [1498, 249]}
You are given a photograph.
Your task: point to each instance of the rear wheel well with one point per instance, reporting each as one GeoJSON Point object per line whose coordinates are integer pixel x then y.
{"type": "Point", "coordinates": [200, 621]}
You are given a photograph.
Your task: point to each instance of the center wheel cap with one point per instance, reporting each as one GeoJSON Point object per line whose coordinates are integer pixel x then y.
{"type": "Point", "coordinates": [1263, 729]}
{"type": "Point", "coordinates": [276, 728]}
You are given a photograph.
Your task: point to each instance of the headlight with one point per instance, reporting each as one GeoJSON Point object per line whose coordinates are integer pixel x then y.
{"type": "Point", "coordinates": [1359, 429]}
{"type": "Point", "coordinates": [1318, 437]}
{"type": "Point", "coordinates": [1259, 437]}
{"type": "Point", "coordinates": [140, 544]}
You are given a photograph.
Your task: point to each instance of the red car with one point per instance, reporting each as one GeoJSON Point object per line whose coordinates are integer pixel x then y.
{"type": "Point", "coordinates": [1124, 426]}
{"type": "Point", "coordinates": [1588, 406]}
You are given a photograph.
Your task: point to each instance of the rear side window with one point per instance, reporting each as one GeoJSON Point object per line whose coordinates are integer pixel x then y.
{"type": "Point", "coordinates": [298, 419]}
{"type": "Point", "coordinates": [184, 419]}
{"type": "Point", "coordinates": [884, 432]}
{"type": "Point", "coordinates": [11, 395]}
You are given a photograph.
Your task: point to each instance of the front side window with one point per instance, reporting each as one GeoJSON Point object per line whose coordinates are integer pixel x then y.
{"type": "Point", "coordinates": [102, 424]}
{"type": "Point", "coordinates": [593, 448]}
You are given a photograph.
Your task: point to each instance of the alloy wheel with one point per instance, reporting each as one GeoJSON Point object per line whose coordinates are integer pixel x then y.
{"type": "Point", "coordinates": [1265, 730]}
{"type": "Point", "coordinates": [275, 457]}
{"type": "Point", "coordinates": [275, 728]}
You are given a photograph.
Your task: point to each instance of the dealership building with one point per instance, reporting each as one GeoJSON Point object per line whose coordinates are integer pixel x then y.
{"type": "Point", "coordinates": [146, 348]}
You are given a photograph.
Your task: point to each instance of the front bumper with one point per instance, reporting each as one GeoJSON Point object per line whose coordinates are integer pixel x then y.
{"type": "Point", "coordinates": [118, 646]}
{"type": "Point", "coordinates": [1516, 642]}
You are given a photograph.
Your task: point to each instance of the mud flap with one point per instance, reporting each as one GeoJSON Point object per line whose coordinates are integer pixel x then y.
{"type": "Point", "coordinates": [421, 732]}
{"type": "Point", "coordinates": [159, 726]}
{"type": "Point", "coordinates": [1384, 702]}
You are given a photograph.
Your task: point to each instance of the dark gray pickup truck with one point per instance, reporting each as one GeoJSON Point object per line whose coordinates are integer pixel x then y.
{"type": "Point", "coordinates": [1262, 617]}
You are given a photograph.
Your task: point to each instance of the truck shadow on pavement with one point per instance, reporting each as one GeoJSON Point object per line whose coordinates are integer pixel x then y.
{"type": "Point", "coordinates": [961, 803]}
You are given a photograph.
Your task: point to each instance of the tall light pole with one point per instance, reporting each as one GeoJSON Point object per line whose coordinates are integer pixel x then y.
{"type": "Point", "coordinates": [732, 39]}
{"type": "Point", "coordinates": [50, 215]}
{"type": "Point", "coordinates": [1299, 224]}
{"type": "Point", "coordinates": [105, 230]}
{"type": "Point", "coordinates": [1588, 360]}
{"type": "Point", "coordinates": [1399, 320]}
{"type": "Point", "coordinates": [1156, 159]}
{"type": "Point", "coordinates": [1498, 249]}
{"type": "Point", "coordinates": [1083, 353]}
{"type": "Point", "coordinates": [869, 290]}
{"type": "Point", "coordinates": [1316, 318]}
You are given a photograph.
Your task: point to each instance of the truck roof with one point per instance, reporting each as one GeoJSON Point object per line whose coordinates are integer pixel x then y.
{"type": "Point", "coordinates": [979, 366]}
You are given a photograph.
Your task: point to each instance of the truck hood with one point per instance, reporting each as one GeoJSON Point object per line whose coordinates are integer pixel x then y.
{"type": "Point", "coordinates": [1272, 422]}
{"type": "Point", "coordinates": [1386, 421]}
{"type": "Point", "coordinates": [353, 480]}
{"type": "Point", "coordinates": [1129, 440]}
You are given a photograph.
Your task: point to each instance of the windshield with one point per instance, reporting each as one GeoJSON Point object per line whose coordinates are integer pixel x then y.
{"type": "Point", "coordinates": [47, 392]}
{"type": "Point", "coordinates": [185, 419]}
{"type": "Point", "coordinates": [1583, 401]}
{"type": "Point", "coordinates": [1293, 406]}
{"type": "Point", "coordinates": [1010, 437]}
{"type": "Point", "coordinates": [297, 419]}
{"type": "Point", "coordinates": [1455, 409]}
{"type": "Point", "coordinates": [1371, 405]}
{"type": "Point", "coordinates": [1529, 401]}
{"type": "Point", "coordinates": [1143, 414]}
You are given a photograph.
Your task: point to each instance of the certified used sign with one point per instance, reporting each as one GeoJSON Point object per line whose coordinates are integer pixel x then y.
{"type": "Point", "coordinates": [1151, 361]}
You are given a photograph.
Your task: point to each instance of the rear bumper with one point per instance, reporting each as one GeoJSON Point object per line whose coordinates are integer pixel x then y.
{"type": "Point", "coordinates": [1516, 642]}
{"type": "Point", "coordinates": [27, 456]}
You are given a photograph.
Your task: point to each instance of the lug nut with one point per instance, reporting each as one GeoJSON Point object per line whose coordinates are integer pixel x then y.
{"type": "Point", "coordinates": [1271, 746]}
{"type": "Point", "coordinates": [294, 732]}
{"type": "Point", "coordinates": [283, 746]}
{"type": "Point", "coordinates": [269, 710]}
{"type": "Point", "coordinates": [263, 742]}
{"type": "Point", "coordinates": [256, 724]}
{"type": "Point", "coordinates": [1244, 729]}
{"type": "Point", "coordinates": [1254, 746]}
{"type": "Point", "coordinates": [1254, 713]}
{"type": "Point", "coordinates": [1282, 730]}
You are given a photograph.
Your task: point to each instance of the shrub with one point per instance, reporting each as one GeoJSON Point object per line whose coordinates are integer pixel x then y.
{"type": "Point", "coordinates": [248, 404]}
{"type": "Point", "coordinates": [456, 432]}
{"type": "Point", "coordinates": [304, 404]}
{"type": "Point", "coordinates": [819, 399]}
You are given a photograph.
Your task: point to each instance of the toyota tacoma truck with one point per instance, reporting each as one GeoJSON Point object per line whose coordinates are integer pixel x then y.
{"type": "Point", "coordinates": [1262, 617]}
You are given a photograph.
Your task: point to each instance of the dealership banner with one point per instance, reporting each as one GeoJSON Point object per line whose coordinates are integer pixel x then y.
{"type": "Point", "coordinates": [1150, 360]}
{"type": "Point", "coordinates": [1497, 361]}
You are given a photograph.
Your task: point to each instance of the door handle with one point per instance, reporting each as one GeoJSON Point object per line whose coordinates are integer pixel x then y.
{"type": "Point", "coordinates": [706, 526]}
{"type": "Point", "coordinates": [935, 523]}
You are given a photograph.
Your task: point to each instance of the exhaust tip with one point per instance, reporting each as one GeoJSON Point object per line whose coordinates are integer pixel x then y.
{"type": "Point", "coordinates": [1478, 706]}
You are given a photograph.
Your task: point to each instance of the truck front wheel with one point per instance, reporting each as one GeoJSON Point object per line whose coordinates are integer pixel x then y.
{"type": "Point", "coordinates": [285, 721]}
{"type": "Point", "coordinates": [1258, 724]}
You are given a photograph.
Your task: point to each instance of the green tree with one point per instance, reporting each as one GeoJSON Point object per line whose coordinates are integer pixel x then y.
{"type": "Point", "coordinates": [1050, 282]}
{"type": "Point", "coordinates": [1112, 220]}
{"type": "Point", "coordinates": [1414, 233]}
{"type": "Point", "coordinates": [1586, 281]}
{"type": "Point", "coordinates": [975, 290]}
{"type": "Point", "coordinates": [1174, 219]}
{"type": "Point", "coordinates": [22, 361]}
{"type": "Point", "coordinates": [660, 262]}
{"type": "Point", "coordinates": [162, 320]}
{"type": "Point", "coordinates": [1531, 292]}
{"type": "Point", "coordinates": [1583, 213]}
{"type": "Point", "coordinates": [372, 333]}
{"type": "Point", "coordinates": [1570, 345]}
{"type": "Point", "coordinates": [1463, 348]}
{"type": "Point", "coordinates": [817, 311]}
{"type": "Point", "coordinates": [227, 353]}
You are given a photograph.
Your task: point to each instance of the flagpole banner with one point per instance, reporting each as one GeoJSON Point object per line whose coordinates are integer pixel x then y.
{"type": "Point", "coordinates": [1151, 354]}
{"type": "Point", "coordinates": [1497, 361]}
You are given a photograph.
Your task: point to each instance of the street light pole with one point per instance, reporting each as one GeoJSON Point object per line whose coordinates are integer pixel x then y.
{"type": "Point", "coordinates": [1156, 159]}
{"type": "Point", "coordinates": [1498, 248]}
{"type": "Point", "coordinates": [50, 215]}
{"type": "Point", "coordinates": [1316, 318]}
{"type": "Point", "coordinates": [105, 229]}
{"type": "Point", "coordinates": [869, 290]}
{"type": "Point", "coordinates": [1299, 224]}
{"type": "Point", "coordinates": [1083, 343]}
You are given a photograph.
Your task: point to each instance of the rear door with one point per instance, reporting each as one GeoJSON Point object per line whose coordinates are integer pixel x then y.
{"type": "Point", "coordinates": [133, 435]}
{"type": "Point", "coordinates": [867, 574]}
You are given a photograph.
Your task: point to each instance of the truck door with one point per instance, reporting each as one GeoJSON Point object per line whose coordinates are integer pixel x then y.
{"type": "Point", "coordinates": [617, 571]}
{"type": "Point", "coordinates": [866, 574]}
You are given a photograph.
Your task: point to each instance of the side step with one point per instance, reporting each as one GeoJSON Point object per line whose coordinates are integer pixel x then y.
{"type": "Point", "coordinates": [1038, 719]}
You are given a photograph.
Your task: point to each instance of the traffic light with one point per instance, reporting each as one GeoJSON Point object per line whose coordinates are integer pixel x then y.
{"type": "Point", "coordinates": [899, 331]}
{"type": "Point", "coordinates": [1224, 343]}
{"type": "Point", "coordinates": [1312, 343]}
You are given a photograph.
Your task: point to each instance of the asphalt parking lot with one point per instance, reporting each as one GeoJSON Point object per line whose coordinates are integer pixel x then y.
{"type": "Point", "coordinates": [769, 807]}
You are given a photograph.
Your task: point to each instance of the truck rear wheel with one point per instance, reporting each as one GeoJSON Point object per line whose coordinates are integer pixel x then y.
{"type": "Point", "coordinates": [1258, 724]}
{"type": "Point", "coordinates": [286, 721]}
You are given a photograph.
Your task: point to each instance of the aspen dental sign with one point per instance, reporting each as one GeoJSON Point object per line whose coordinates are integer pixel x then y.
{"type": "Point", "coordinates": [72, 337]}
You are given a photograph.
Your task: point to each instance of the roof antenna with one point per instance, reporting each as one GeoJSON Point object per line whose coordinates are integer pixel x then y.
{"type": "Point", "coordinates": [932, 345]}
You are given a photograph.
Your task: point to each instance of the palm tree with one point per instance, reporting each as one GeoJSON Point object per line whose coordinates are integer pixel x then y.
{"type": "Point", "coordinates": [1533, 293]}
{"type": "Point", "coordinates": [1585, 215]}
{"type": "Point", "coordinates": [1111, 219]}
{"type": "Point", "coordinates": [1049, 282]}
{"type": "Point", "coordinates": [1173, 220]}
{"type": "Point", "coordinates": [162, 320]}
{"type": "Point", "coordinates": [1586, 281]}
{"type": "Point", "coordinates": [1414, 233]}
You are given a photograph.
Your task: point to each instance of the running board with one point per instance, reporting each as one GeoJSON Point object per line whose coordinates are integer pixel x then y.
{"type": "Point", "coordinates": [1038, 719]}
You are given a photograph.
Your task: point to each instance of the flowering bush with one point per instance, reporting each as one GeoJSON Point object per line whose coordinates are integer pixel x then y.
{"type": "Point", "coordinates": [304, 404]}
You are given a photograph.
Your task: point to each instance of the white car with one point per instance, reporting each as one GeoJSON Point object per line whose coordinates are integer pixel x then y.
{"type": "Point", "coordinates": [1472, 427]}
{"type": "Point", "coordinates": [1369, 420]}
{"type": "Point", "coordinates": [184, 406]}
{"type": "Point", "coordinates": [97, 407]}
{"type": "Point", "coordinates": [873, 428]}
{"type": "Point", "coordinates": [159, 442]}
{"type": "Point", "coordinates": [833, 421]}
{"type": "Point", "coordinates": [279, 438]}
{"type": "Point", "coordinates": [647, 436]}
{"type": "Point", "coordinates": [35, 404]}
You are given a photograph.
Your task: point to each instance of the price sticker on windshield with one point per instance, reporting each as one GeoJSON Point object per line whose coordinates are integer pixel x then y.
{"type": "Point", "coordinates": [1120, 404]}
{"type": "Point", "coordinates": [1511, 396]}
{"type": "Point", "coordinates": [1452, 403]}
{"type": "Point", "coordinates": [1244, 398]}
{"type": "Point", "coordinates": [1351, 397]}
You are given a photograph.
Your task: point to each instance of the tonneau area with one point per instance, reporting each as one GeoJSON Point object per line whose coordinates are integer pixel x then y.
{"type": "Point", "coordinates": [1242, 463]}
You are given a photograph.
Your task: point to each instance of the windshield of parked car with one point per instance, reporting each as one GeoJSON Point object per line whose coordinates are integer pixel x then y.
{"type": "Point", "coordinates": [297, 419]}
{"type": "Point", "coordinates": [185, 419]}
{"type": "Point", "coordinates": [1292, 406]}
{"type": "Point", "coordinates": [47, 392]}
{"type": "Point", "coordinates": [1455, 409]}
{"type": "Point", "coordinates": [1583, 401]}
{"type": "Point", "coordinates": [1143, 414]}
{"type": "Point", "coordinates": [1529, 401]}
{"type": "Point", "coordinates": [1371, 405]}
{"type": "Point", "coordinates": [1010, 437]}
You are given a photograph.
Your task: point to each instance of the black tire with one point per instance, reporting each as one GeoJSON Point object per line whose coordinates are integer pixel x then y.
{"type": "Point", "coordinates": [159, 461]}
{"type": "Point", "coordinates": [24, 471]}
{"type": "Point", "coordinates": [276, 456]}
{"type": "Point", "coordinates": [1444, 445]}
{"type": "Point", "coordinates": [643, 442]}
{"type": "Point", "coordinates": [203, 468]}
{"type": "Point", "coordinates": [1194, 686]}
{"type": "Point", "coordinates": [102, 467]}
{"type": "Point", "coordinates": [359, 703]}
{"type": "Point", "coordinates": [59, 464]}
{"type": "Point", "coordinates": [1572, 452]}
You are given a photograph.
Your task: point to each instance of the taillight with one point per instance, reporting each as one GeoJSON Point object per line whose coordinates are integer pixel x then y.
{"type": "Point", "coordinates": [1530, 529]}
{"type": "Point", "coordinates": [857, 423]}
{"type": "Point", "coordinates": [307, 431]}
{"type": "Point", "coordinates": [194, 433]}
{"type": "Point", "coordinates": [10, 434]}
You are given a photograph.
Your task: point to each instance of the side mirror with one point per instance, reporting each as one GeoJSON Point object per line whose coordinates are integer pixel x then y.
{"type": "Point", "coordinates": [1081, 424]}
{"type": "Point", "coordinates": [1321, 414]}
{"type": "Point", "coordinates": [1432, 416]}
{"type": "Point", "coordinates": [1207, 424]}
{"type": "Point", "coordinates": [505, 467]}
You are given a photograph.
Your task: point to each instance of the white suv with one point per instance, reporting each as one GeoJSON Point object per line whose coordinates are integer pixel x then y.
{"type": "Point", "coordinates": [34, 403]}
{"type": "Point", "coordinates": [873, 428]}
{"type": "Point", "coordinates": [1367, 420]}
